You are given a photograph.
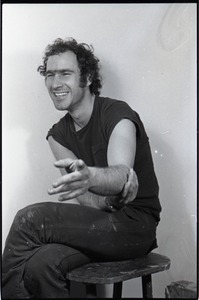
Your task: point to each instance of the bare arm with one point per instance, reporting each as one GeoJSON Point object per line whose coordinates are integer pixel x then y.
{"type": "Point", "coordinates": [102, 181]}
{"type": "Point", "coordinates": [121, 155]}
{"type": "Point", "coordinates": [88, 198]}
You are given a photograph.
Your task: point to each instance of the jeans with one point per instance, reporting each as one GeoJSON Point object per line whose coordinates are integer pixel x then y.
{"type": "Point", "coordinates": [46, 240]}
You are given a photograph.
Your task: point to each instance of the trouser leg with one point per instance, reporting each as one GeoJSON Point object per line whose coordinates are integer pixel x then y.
{"type": "Point", "coordinates": [40, 224]}
{"type": "Point", "coordinates": [95, 233]}
{"type": "Point", "coordinates": [45, 272]}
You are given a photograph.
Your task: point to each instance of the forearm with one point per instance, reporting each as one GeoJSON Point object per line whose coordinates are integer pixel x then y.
{"type": "Point", "coordinates": [92, 200]}
{"type": "Point", "coordinates": [96, 201]}
{"type": "Point", "coordinates": [108, 181]}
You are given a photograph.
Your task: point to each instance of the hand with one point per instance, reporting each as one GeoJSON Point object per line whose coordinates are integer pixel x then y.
{"type": "Point", "coordinates": [75, 183]}
{"type": "Point", "coordinates": [130, 188]}
{"type": "Point", "coordinates": [128, 193]}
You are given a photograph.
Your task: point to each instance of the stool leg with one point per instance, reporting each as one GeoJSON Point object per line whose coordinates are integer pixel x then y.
{"type": "Point", "coordinates": [117, 290]}
{"type": "Point", "coordinates": [68, 286]}
{"type": "Point", "coordinates": [91, 291]}
{"type": "Point", "coordinates": [147, 286]}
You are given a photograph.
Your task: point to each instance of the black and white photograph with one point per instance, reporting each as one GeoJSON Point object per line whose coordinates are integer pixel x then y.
{"type": "Point", "coordinates": [99, 150]}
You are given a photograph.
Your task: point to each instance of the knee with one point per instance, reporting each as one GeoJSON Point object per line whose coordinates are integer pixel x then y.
{"type": "Point", "coordinates": [23, 213]}
{"type": "Point", "coordinates": [28, 214]}
{"type": "Point", "coordinates": [23, 217]}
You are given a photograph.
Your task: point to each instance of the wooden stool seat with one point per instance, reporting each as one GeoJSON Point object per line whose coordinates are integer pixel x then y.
{"type": "Point", "coordinates": [118, 271]}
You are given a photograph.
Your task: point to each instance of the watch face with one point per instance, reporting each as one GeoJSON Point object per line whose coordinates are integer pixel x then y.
{"type": "Point", "coordinates": [109, 204]}
{"type": "Point", "coordinates": [113, 205]}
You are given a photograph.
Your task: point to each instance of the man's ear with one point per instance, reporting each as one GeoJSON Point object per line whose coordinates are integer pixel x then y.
{"type": "Point", "coordinates": [89, 80]}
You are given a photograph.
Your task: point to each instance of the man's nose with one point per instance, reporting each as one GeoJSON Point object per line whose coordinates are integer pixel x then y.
{"type": "Point", "coordinates": [57, 82]}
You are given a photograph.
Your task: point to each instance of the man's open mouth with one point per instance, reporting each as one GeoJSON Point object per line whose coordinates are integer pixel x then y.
{"type": "Point", "coordinates": [60, 94]}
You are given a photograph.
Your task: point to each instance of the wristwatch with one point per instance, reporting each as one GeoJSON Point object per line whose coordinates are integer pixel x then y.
{"type": "Point", "coordinates": [109, 204]}
{"type": "Point", "coordinates": [112, 205]}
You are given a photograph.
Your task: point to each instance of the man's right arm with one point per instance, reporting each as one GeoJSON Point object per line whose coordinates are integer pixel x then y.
{"type": "Point", "coordinates": [99, 198]}
{"type": "Point", "coordinates": [88, 198]}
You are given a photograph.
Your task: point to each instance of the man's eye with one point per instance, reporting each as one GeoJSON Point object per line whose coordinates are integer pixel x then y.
{"type": "Point", "coordinates": [49, 75]}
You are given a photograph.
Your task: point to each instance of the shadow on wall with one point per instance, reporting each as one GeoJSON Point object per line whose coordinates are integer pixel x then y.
{"type": "Point", "coordinates": [175, 230]}
{"type": "Point", "coordinates": [112, 85]}
{"type": "Point", "coordinates": [175, 27]}
{"type": "Point", "coordinates": [26, 115]}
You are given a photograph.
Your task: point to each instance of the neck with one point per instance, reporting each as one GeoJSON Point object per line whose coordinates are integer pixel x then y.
{"type": "Point", "coordinates": [83, 112]}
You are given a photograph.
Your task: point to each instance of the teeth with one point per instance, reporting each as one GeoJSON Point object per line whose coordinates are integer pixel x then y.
{"type": "Point", "coordinates": [61, 94]}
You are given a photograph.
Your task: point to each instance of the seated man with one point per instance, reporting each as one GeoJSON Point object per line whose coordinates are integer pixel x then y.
{"type": "Point", "coordinates": [108, 205]}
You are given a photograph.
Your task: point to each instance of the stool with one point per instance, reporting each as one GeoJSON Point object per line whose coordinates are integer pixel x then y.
{"type": "Point", "coordinates": [118, 271]}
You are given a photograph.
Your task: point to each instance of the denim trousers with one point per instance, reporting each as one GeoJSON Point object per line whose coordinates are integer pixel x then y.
{"type": "Point", "coordinates": [47, 240]}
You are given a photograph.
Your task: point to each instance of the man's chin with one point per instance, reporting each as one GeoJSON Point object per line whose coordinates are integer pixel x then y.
{"type": "Point", "coordinates": [60, 107]}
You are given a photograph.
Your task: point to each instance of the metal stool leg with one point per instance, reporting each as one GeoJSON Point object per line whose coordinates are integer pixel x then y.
{"type": "Point", "coordinates": [117, 290]}
{"type": "Point", "coordinates": [147, 286]}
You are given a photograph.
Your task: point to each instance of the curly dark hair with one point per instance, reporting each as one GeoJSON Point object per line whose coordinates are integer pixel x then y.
{"type": "Point", "coordinates": [87, 62]}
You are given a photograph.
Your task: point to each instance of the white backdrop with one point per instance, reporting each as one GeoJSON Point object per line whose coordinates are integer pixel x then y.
{"type": "Point", "coordinates": [148, 58]}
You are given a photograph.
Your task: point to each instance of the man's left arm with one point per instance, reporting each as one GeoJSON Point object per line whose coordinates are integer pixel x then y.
{"type": "Point", "coordinates": [120, 157]}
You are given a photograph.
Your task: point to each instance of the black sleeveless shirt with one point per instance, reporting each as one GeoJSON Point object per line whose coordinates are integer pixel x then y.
{"type": "Point", "coordinates": [91, 143]}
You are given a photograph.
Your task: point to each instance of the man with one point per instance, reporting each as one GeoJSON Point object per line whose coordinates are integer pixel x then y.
{"type": "Point", "coordinates": [108, 192]}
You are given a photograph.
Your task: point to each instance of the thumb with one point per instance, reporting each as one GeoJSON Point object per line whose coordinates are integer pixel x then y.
{"type": "Point", "coordinates": [77, 165]}
{"type": "Point", "coordinates": [63, 163]}
{"type": "Point", "coordinates": [80, 164]}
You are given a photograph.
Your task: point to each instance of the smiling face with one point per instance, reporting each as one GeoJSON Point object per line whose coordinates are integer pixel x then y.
{"type": "Point", "coordinates": [63, 81]}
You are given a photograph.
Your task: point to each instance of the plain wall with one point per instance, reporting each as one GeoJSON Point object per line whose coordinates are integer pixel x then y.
{"type": "Point", "coordinates": [148, 58]}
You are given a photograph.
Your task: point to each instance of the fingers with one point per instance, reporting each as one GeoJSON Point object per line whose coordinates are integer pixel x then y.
{"type": "Point", "coordinates": [72, 164]}
{"type": "Point", "coordinates": [77, 165]}
{"type": "Point", "coordinates": [63, 163]}
{"type": "Point", "coordinates": [77, 180]}
{"type": "Point", "coordinates": [81, 184]}
{"type": "Point", "coordinates": [126, 189]}
{"type": "Point", "coordinates": [128, 183]}
{"type": "Point", "coordinates": [126, 192]}
{"type": "Point", "coordinates": [71, 195]}
{"type": "Point", "coordinates": [130, 188]}
{"type": "Point", "coordinates": [67, 179]}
